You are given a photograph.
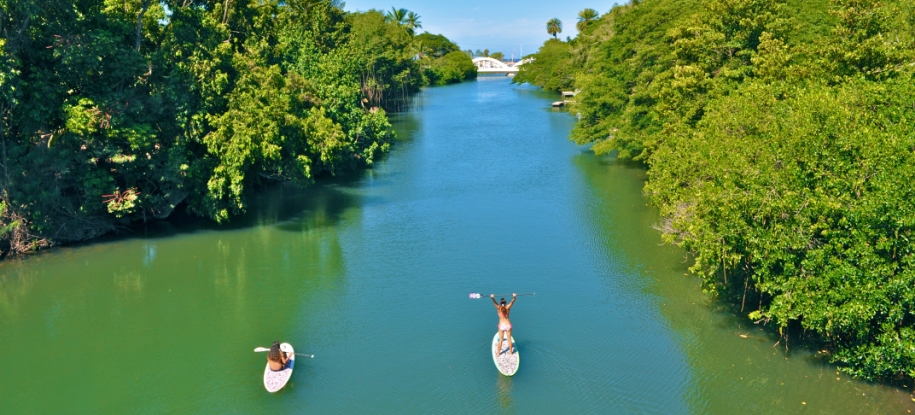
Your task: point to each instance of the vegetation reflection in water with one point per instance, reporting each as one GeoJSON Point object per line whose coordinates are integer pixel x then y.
{"type": "Point", "coordinates": [736, 366]}
{"type": "Point", "coordinates": [142, 304]}
{"type": "Point", "coordinates": [370, 272]}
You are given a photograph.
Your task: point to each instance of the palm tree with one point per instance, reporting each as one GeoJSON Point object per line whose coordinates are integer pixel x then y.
{"type": "Point", "coordinates": [421, 51]}
{"type": "Point", "coordinates": [413, 23]}
{"type": "Point", "coordinates": [554, 27]}
{"type": "Point", "coordinates": [584, 17]}
{"type": "Point", "coordinates": [398, 16]}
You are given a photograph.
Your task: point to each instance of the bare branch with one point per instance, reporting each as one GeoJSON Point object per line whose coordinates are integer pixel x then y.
{"type": "Point", "coordinates": [140, 23]}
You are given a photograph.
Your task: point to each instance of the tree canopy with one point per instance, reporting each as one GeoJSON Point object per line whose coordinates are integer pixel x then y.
{"type": "Point", "coordinates": [553, 70]}
{"type": "Point", "coordinates": [434, 45]}
{"type": "Point", "coordinates": [452, 68]}
{"type": "Point", "coordinates": [113, 112]}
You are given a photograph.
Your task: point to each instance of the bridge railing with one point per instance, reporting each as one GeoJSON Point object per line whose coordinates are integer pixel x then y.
{"type": "Point", "coordinates": [490, 65]}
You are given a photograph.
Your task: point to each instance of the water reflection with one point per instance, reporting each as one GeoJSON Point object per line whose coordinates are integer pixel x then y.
{"type": "Point", "coordinates": [504, 386]}
{"type": "Point", "coordinates": [15, 284]}
{"type": "Point", "coordinates": [736, 366]}
{"type": "Point", "coordinates": [324, 207]}
{"type": "Point", "coordinates": [270, 274]}
{"type": "Point", "coordinates": [149, 253]}
{"type": "Point", "coordinates": [408, 123]}
{"type": "Point", "coordinates": [230, 273]}
{"type": "Point", "coordinates": [129, 284]}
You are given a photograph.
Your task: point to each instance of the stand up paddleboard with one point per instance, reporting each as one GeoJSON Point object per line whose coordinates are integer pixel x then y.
{"type": "Point", "coordinates": [274, 380]}
{"type": "Point", "coordinates": [506, 363]}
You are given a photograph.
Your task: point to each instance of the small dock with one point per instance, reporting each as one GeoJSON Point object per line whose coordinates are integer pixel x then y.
{"type": "Point", "coordinates": [565, 98]}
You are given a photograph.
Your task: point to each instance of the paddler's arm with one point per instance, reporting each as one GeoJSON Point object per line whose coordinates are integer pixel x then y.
{"type": "Point", "coordinates": [514, 297]}
{"type": "Point", "coordinates": [493, 298]}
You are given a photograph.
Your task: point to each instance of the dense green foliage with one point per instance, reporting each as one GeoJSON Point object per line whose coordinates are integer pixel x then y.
{"type": "Point", "coordinates": [554, 67]}
{"type": "Point", "coordinates": [113, 111]}
{"type": "Point", "coordinates": [779, 138]}
{"type": "Point", "coordinates": [442, 61]}
{"type": "Point", "coordinates": [432, 45]}
{"type": "Point", "coordinates": [452, 68]}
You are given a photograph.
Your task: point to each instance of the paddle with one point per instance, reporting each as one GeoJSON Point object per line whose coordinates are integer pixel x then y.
{"type": "Point", "coordinates": [265, 349]}
{"type": "Point", "coordinates": [478, 295]}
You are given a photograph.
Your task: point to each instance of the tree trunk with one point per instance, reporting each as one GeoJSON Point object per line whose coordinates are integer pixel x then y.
{"type": "Point", "coordinates": [140, 23]}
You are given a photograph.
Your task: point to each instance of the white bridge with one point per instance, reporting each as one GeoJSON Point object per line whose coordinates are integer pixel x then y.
{"type": "Point", "coordinates": [490, 65]}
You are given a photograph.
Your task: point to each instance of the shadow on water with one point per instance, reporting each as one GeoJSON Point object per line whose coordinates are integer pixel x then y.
{"type": "Point", "coordinates": [281, 205]}
{"type": "Point", "coordinates": [538, 93]}
{"type": "Point", "coordinates": [408, 124]}
{"type": "Point", "coordinates": [14, 286]}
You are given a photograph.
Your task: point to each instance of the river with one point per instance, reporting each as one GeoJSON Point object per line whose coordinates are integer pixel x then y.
{"type": "Point", "coordinates": [482, 192]}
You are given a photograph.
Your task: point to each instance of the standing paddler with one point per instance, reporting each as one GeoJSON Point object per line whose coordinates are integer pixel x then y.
{"type": "Point", "coordinates": [505, 325]}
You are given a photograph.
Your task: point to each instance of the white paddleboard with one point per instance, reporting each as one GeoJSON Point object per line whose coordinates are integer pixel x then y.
{"type": "Point", "coordinates": [274, 380]}
{"type": "Point", "coordinates": [506, 363]}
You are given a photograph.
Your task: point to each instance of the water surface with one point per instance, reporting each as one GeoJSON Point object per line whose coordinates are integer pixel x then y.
{"type": "Point", "coordinates": [482, 193]}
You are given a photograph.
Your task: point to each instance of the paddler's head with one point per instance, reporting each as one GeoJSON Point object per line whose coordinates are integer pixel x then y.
{"type": "Point", "coordinates": [502, 302]}
{"type": "Point", "coordinates": [274, 353]}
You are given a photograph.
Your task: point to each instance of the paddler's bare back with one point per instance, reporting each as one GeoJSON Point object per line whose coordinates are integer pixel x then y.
{"type": "Point", "coordinates": [503, 314]}
{"type": "Point", "coordinates": [505, 325]}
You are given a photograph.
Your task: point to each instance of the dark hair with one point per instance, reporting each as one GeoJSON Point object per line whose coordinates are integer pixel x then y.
{"type": "Point", "coordinates": [274, 354]}
{"type": "Point", "coordinates": [502, 301]}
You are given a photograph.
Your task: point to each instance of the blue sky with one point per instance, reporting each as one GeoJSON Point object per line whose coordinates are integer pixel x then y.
{"type": "Point", "coordinates": [491, 24]}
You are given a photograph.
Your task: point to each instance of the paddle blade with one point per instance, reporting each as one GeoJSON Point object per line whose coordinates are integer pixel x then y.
{"type": "Point", "coordinates": [475, 295]}
{"type": "Point", "coordinates": [261, 349]}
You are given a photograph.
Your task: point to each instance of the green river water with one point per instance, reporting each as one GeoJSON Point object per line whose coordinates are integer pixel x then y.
{"type": "Point", "coordinates": [482, 192]}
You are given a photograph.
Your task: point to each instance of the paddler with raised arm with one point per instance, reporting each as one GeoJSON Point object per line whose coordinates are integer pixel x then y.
{"type": "Point", "coordinates": [505, 325]}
